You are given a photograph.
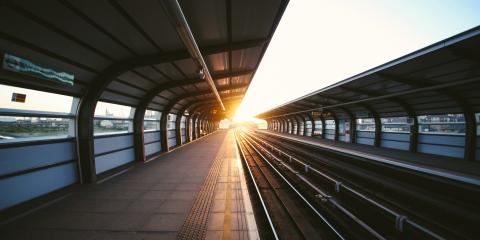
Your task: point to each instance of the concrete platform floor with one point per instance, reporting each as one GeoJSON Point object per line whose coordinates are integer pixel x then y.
{"type": "Point", "coordinates": [153, 200]}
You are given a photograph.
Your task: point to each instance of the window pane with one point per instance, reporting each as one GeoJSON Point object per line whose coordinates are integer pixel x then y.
{"type": "Point", "coordinates": [171, 121]}
{"type": "Point", "coordinates": [477, 116]}
{"type": "Point", "coordinates": [442, 124]}
{"type": "Point", "coordinates": [151, 125]}
{"type": "Point", "coordinates": [330, 124]}
{"type": "Point", "coordinates": [111, 126]}
{"type": "Point", "coordinates": [318, 127]}
{"type": "Point", "coordinates": [395, 124]}
{"type": "Point", "coordinates": [151, 120]}
{"type": "Point", "coordinates": [366, 124]}
{"type": "Point", "coordinates": [35, 100]}
{"type": "Point", "coordinates": [341, 127]}
{"type": "Point", "coordinates": [152, 115]}
{"type": "Point", "coordinates": [110, 110]}
{"type": "Point", "coordinates": [13, 128]}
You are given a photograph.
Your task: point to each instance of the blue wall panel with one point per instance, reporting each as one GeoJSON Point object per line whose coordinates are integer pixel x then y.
{"type": "Point", "coordinates": [366, 137]}
{"type": "Point", "coordinates": [366, 141]}
{"type": "Point", "coordinates": [395, 140]}
{"type": "Point", "coordinates": [477, 154]}
{"type": "Point", "coordinates": [441, 150]}
{"type": "Point", "coordinates": [330, 134]}
{"type": "Point", "coordinates": [171, 133]}
{"type": "Point", "coordinates": [341, 138]}
{"type": "Point", "coordinates": [447, 145]}
{"type": "Point", "coordinates": [365, 134]}
{"type": "Point", "coordinates": [172, 142]}
{"type": "Point", "coordinates": [405, 137]}
{"type": "Point", "coordinates": [113, 160]}
{"type": "Point", "coordinates": [106, 144]}
{"type": "Point", "coordinates": [27, 157]}
{"type": "Point", "coordinates": [152, 148]}
{"type": "Point", "coordinates": [395, 144]}
{"type": "Point", "coordinates": [184, 136]}
{"type": "Point", "coordinates": [18, 189]}
{"type": "Point", "coordinates": [151, 136]}
{"type": "Point", "coordinates": [172, 139]}
{"type": "Point", "coordinates": [116, 158]}
{"type": "Point", "coordinates": [152, 142]}
{"type": "Point", "coordinates": [453, 140]}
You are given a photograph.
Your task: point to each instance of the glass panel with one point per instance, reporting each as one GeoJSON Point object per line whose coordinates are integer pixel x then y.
{"type": "Point", "coordinates": [442, 124]}
{"type": "Point", "coordinates": [366, 124]}
{"type": "Point", "coordinates": [395, 124]}
{"type": "Point", "coordinates": [35, 100]}
{"type": "Point", "coordinates": [330, 124]}
{"type": "Point", "coordinates": [477, 117]}
{"type": "Point", "coordinates": [110, 110]}
{"type": "Point", "coordinates": [152, 115]}
{"type": "Point", "coordinates": [149, 125]}
{"type": "Point", "coordinates": [151, 120]}
{"type": "Point", "coordinates": [318, 127]}
{"type": "Point", "coordinates": [13, 128]}
{"type": "Point", "coordinates": [171, 121]}
{"type": "Point", "coordinates": [341, 127]}
{"type": "Point", "coordinates": [111, 126]}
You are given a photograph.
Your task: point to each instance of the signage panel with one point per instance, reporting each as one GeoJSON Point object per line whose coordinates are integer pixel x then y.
{"type": "Point", "coordinates": [19, 97]}
{"type": "Point", "coordinates": [24, 66]}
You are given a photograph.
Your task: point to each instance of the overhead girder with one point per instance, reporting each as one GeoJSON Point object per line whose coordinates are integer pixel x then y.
{"type": "Point", "coordinates": [173, 102]}
{"type": "Point", "coordinates": [140, 113]}
{"type": "Point", "coordinates": [194, 98]}
{"type": "Point", "coordinates": [294, 122]}
{"type": "Point", "coordinates": [194, 106]}
{"type": "Point", "coordinates": [232, 99]}
{"type": "Point", "coordinates": [391, 95]}
{"type": "Point", "coordinates": [299, 120]}
{"type": "Point", "coordinates": [420, 86]}
{"type": "Point", "coordinates": [469, 115]}
{"type": "Point", "coordinates": [88, 102]}
{"type": "Point", "coordinates": [284, 124]}
{"type": "Point", "coordinates": [312, 123]}
{"type": "Point", "coordinates": [288, 126]}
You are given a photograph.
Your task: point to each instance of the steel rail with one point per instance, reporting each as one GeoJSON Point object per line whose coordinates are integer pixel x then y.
{"type": "Point", "coordinates": [298, 193]}
{"type": "Point", "coordinates": [400, 219]}
{"type": "Point", "coordinates": [274, 231]}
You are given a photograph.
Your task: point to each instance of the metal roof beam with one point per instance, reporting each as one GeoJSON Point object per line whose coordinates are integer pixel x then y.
{"type": "Point", "coordinates": [178, 20]}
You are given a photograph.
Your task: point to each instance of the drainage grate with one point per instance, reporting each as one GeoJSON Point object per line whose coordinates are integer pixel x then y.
{"type": "Point", "coordinates": [195, 225]}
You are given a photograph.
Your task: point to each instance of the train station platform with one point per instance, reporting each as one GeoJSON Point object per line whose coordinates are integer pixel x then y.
{"type": "Point", "coordinates": [196, 191]}
{"type": "Point", "coordinates": [442, 166]}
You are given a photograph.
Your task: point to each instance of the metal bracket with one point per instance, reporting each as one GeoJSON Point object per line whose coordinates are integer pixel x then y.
{"type": "Point", "coordinates": [399, 222]}
{"type": "Point", "coordinates": [337, 186]}
{"type": "Point", "coordinates": [322, 197]}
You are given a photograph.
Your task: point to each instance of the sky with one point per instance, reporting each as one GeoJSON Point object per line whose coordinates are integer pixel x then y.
{"type": "Point", "coordinates": [321, 42]}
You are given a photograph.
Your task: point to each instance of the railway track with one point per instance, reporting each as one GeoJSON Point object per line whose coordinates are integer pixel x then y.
{"type": "Point", "coordinates": [285, 210]}
{"type": "Point", "coordinates": [389, 203]}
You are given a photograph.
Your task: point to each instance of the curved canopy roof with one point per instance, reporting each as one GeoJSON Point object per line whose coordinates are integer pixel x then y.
{"type": "Point", "coordinates": [132, 52]}
{"type": "Point", "coordinates": [441, 78]}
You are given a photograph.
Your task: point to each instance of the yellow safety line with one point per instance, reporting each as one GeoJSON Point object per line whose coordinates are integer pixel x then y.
{"type": "Point", "coordinates": [227, 221]}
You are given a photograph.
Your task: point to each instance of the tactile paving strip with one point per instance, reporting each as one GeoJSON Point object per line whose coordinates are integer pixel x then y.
{"type": "Point", "coordinates": [195, 225]}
